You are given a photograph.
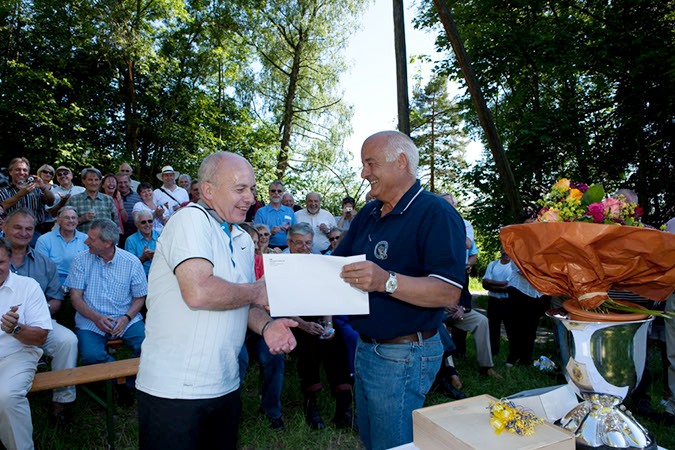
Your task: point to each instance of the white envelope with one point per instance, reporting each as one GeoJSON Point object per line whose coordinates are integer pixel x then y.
{"type": "Point", "coordinates": [310, 285]}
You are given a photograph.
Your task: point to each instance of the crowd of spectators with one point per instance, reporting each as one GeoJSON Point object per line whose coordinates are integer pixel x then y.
{"type": "Point", "coordinates": [93, 245]}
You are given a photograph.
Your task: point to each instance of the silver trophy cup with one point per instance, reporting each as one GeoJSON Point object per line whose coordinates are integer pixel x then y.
{"type": "Point", "coordinates": [603, 362]}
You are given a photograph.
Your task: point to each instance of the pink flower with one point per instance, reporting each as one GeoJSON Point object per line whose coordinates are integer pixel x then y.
{"type": "Point", "coordinates": [597, 212]}
{"type": "Point", "coordinates": [612, 207]}
{"type": "Point", "coordinates": [550, 215]}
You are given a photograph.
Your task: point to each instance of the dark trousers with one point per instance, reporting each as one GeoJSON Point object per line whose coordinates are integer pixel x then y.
{"type": "Point", "coordinates": [204, 424]}
{"type": "Point", "coordinates": [496, 312]}
{"type": "Point", "coordinates": [312, 352]}
{"type": "Point", "coordinates": [521, 322]}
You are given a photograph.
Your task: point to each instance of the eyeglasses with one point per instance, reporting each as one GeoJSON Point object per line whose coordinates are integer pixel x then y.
{"type": "Point", "coordinates": [61, 174]}
{"type": "Point", "coordinates": [336, 238]}
{"type": "Point", "coordinates": [278, 191]}
{"type": "Point", "coordinates": [264, 234]}
{"type": "Point", "coordinates": [48, 172]}
{"type": "Point", "coordinates": [301, 243]}
{"type": "Point", "coordinates": [144, 222]}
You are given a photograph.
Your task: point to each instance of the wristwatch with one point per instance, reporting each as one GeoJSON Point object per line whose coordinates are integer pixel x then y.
{"type": "Point", "coordinates": [391, 284]}
{"type": "Point", "coordinates": [17, 329]}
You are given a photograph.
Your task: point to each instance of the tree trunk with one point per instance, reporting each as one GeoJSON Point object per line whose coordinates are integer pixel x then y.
{"type": "Point", "coordinates": [287, 122]}
{"type": "Point", "coordinates": [401, 69]}
{"type": "Point", "coordinates": [493, 140]}
{"type": "Point", "coordinates": [130, 115]}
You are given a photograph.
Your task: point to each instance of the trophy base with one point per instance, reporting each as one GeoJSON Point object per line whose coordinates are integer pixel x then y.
{"type": "Point", "coordinates": [597, 425]}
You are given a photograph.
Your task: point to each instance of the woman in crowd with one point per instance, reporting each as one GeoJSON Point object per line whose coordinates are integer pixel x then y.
{"type": "Point", "coordinates": [46, 174]}
{"type": "Point", "coordinates": [147, 204]}
{"type": "Point", "coordinates": [264, 242]}
{"type": "Point", "coordinates": [184, 181]}
{"type": "Point", "coordinates": [334, 237]}
{"type": "Point", "coordinates": [109, 187]}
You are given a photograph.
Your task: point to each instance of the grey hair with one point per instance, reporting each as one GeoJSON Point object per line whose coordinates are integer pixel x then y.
{"type": "Point", "coordinates": [260, 226]}
{"type": "Point", "coordinates": [279, 183]}
{"type": "Point", "coordinates": [21, 212]}
{"type": "Point", "coordinates": [185, 176]}
{"type": "Point", "coordinates": [398, 143]}
{"type": "Point", "coordinates": [142, 212]}
{"type": "Point", "coordinates": [109, 230]}
{"type": "Point", "coordinates": [313, 193]}
{"type": "Point", "coordinates": [302, 228]}
{"type": "Point", "coordinates": [66, 208]}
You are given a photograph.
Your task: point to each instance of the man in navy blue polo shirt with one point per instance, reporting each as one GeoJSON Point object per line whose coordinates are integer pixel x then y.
{"type": "Point", "coordinates": [412, 271]}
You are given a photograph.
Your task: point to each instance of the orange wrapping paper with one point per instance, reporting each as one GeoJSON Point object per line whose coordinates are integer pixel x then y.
{"type": "Point", "coordinates": [576, 258]}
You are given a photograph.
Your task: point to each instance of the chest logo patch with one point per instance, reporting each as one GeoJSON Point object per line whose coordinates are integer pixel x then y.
{"type": "Point", "coordinates": [381, 250]}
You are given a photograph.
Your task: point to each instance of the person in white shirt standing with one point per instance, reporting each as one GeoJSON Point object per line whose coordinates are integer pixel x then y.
{"type": "Point", "coordinates": [170, 196]}
{"type": "Point", "coordinates": [322, 222]}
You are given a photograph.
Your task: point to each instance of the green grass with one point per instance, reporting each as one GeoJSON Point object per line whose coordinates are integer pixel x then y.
{"type": "Point", "coordinates": [89, 432]}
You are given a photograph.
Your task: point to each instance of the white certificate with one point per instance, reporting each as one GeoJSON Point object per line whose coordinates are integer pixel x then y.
{"type": "Point", "coordinates": [310, 285]}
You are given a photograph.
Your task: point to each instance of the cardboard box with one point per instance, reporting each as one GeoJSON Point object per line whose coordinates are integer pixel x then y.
{"type": "Point", "coordinates": [465, 424]}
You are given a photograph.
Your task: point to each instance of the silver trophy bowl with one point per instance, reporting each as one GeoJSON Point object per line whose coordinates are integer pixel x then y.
{"type": "Point", "coordinates": [603, 362]}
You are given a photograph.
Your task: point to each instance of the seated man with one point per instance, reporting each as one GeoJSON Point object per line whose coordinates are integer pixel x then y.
{"type": "Point", "coordinates": [318, 344]}
{"type": "Point", "coordinates": [143, 242]}
{"type": "Point", "coordinates": [61, 343]}
{"type": "Point", "coordinates": [24, 327]}
{"type": "Point", "coordinates": [107, 288]}
{"type": "Point", "coordinates": [62, 244]}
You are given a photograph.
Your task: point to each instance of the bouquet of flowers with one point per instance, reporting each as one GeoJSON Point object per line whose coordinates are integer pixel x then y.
{"type": "Point", "coordinates": [578, 248]}
{"type": "Point", "coordinates": [577, 202]}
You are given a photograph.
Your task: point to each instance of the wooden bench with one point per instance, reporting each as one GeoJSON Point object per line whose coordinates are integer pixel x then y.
{"type": "Point", "coordinates": [115, 371]}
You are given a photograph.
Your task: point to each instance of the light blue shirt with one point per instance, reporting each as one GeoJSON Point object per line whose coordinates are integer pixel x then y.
{"type": "Point", "coordinates": [275, 218]}
{"type": "Point", "coordinates": [136, 245]}
{"type": "Point", "coordinates": [55, 247]}
{"type": "Point", "coordinates": [109, 288]}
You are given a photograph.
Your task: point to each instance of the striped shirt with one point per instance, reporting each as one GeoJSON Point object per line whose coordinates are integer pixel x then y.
{"type": "Point", "coordinates": [35, 201]}
{"type": "Point", "coordinates": [109, 287]}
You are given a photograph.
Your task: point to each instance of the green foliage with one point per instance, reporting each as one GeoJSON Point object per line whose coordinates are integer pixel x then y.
{"type": "Point", "coordinates": [577, 89]}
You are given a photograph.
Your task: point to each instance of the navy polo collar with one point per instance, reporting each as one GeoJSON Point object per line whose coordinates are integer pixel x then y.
{"type": "Point", "coordinates": [404, 203]}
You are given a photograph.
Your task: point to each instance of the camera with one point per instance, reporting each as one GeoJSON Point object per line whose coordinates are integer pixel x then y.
{"type": "Point", "coordinates": [30, 180]}
{"type": "Point", "coordinates": [349, 209]}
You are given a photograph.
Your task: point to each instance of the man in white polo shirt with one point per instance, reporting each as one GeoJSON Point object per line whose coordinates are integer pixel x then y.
{"type": "Point", "coordinates": [202, 293]}
{"type": "Point", "coordinates": [24, 327]}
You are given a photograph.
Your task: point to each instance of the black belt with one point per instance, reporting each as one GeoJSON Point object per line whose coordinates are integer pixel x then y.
{"type": "Point", "coordinates": [414, 337]}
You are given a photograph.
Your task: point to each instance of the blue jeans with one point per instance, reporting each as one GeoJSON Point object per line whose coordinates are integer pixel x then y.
{"type": "Point", "coordinates": [92, 349]}
{"type": "Point", "coordinates": [271, 373]}
{"type": "Point", "coordinates": [392, 380]}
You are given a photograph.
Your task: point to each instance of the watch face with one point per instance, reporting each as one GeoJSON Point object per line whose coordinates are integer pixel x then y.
{"type": "Point", "coordinates": [391, 284]}
{"type": "Point", "coordinates": [16, 329]}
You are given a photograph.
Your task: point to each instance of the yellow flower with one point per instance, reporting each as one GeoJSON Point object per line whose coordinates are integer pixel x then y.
{"type": "Point", "coordinates": [562, 185]}
{"type": "Point", "coordinates": [575, 194]}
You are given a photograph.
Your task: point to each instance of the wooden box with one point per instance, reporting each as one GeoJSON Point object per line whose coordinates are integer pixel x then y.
{"type": "Point", "coordinates": [465, 424]}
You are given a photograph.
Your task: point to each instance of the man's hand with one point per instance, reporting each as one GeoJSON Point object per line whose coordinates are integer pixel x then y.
{"type": "Point", "coordinates": [147, 254]}
{"type": "Point", "coordinates": [106, 324]}
{"type": "Point", "coordinates": [456, 312]}
{"type": "Point", "coordinates": [27, 189]}
{"type": "Point", "coordinates": [310, 327]}
{"type": "Point", "coordinates": [325, 229]}
{"type": "Point", "coordinates": [279, 337]}
{"type": "Point", "coordinates": [10, 320]}
{"type": "Point", "coordinates": [120, 326]}
{"type": "Point", "coordinates": [274, 230]}
{"type": "Point", "coordinates": [365, 275]}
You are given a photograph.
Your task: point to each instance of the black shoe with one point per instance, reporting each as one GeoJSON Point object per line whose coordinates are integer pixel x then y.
{"type": "Point", "coordinates": [277, 424]}
{"type": "Point", "coordinates": [62, 413]}
{"type": "Point", "coordinates": [313, 416]}
{"type": "Point", "coordinates": [448, 389]}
